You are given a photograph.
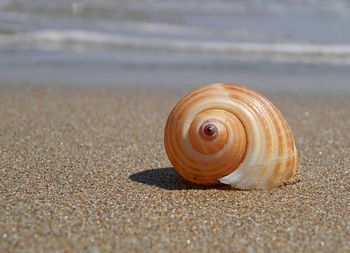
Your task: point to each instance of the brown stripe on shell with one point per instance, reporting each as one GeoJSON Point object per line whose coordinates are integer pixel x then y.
{"type": "Point", "coordinates": [254, 98]}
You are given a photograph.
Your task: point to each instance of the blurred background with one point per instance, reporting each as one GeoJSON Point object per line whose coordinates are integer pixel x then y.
{"type": "Point", "coordinates": [284, 45]}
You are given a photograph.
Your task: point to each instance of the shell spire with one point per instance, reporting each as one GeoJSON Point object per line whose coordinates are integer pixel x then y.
{"type": "Point", "coordinates": [224, 133]}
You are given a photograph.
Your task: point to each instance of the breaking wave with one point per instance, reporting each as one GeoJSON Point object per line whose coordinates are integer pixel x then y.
{"type": "Point", "coordinates": [83, 40]}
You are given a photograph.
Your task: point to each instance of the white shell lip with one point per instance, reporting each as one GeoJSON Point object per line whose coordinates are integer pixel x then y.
{"type": "Point", "coordinates": [238, 178]}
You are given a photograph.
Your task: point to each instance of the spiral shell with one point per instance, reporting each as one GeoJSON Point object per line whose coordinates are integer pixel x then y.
{"type": "Point", "coordinates": [230, 134]}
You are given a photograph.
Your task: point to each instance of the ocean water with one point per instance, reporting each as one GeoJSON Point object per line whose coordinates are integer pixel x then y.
{"type": "Point", "coordinates": [291, 44]}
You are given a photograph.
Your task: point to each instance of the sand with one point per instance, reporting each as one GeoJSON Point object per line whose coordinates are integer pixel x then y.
{"type": "Point", "coordinates": [85, 170]}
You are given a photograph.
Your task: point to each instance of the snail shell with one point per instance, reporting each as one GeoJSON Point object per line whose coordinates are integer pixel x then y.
{"type": "Point", "coordinates": [230, 134]}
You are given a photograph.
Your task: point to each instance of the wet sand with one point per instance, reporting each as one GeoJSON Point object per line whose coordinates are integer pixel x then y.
{"type": "Point", "coordinates": [85, 170]}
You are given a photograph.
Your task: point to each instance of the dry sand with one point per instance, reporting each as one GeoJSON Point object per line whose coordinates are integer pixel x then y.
{"type": "Point", "coordinates": [85, 170]}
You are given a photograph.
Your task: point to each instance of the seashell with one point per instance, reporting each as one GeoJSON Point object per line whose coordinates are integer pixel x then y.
{"type": "Point", "coordinates": [224, 133]}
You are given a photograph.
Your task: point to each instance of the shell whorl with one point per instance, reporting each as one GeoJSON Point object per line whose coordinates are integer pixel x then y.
{"type": "Point", "coordinates": [230, 134]}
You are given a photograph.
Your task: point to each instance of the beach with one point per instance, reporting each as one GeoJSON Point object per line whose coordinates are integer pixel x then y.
{"type": "Point", "coordinates": [84, 169]}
